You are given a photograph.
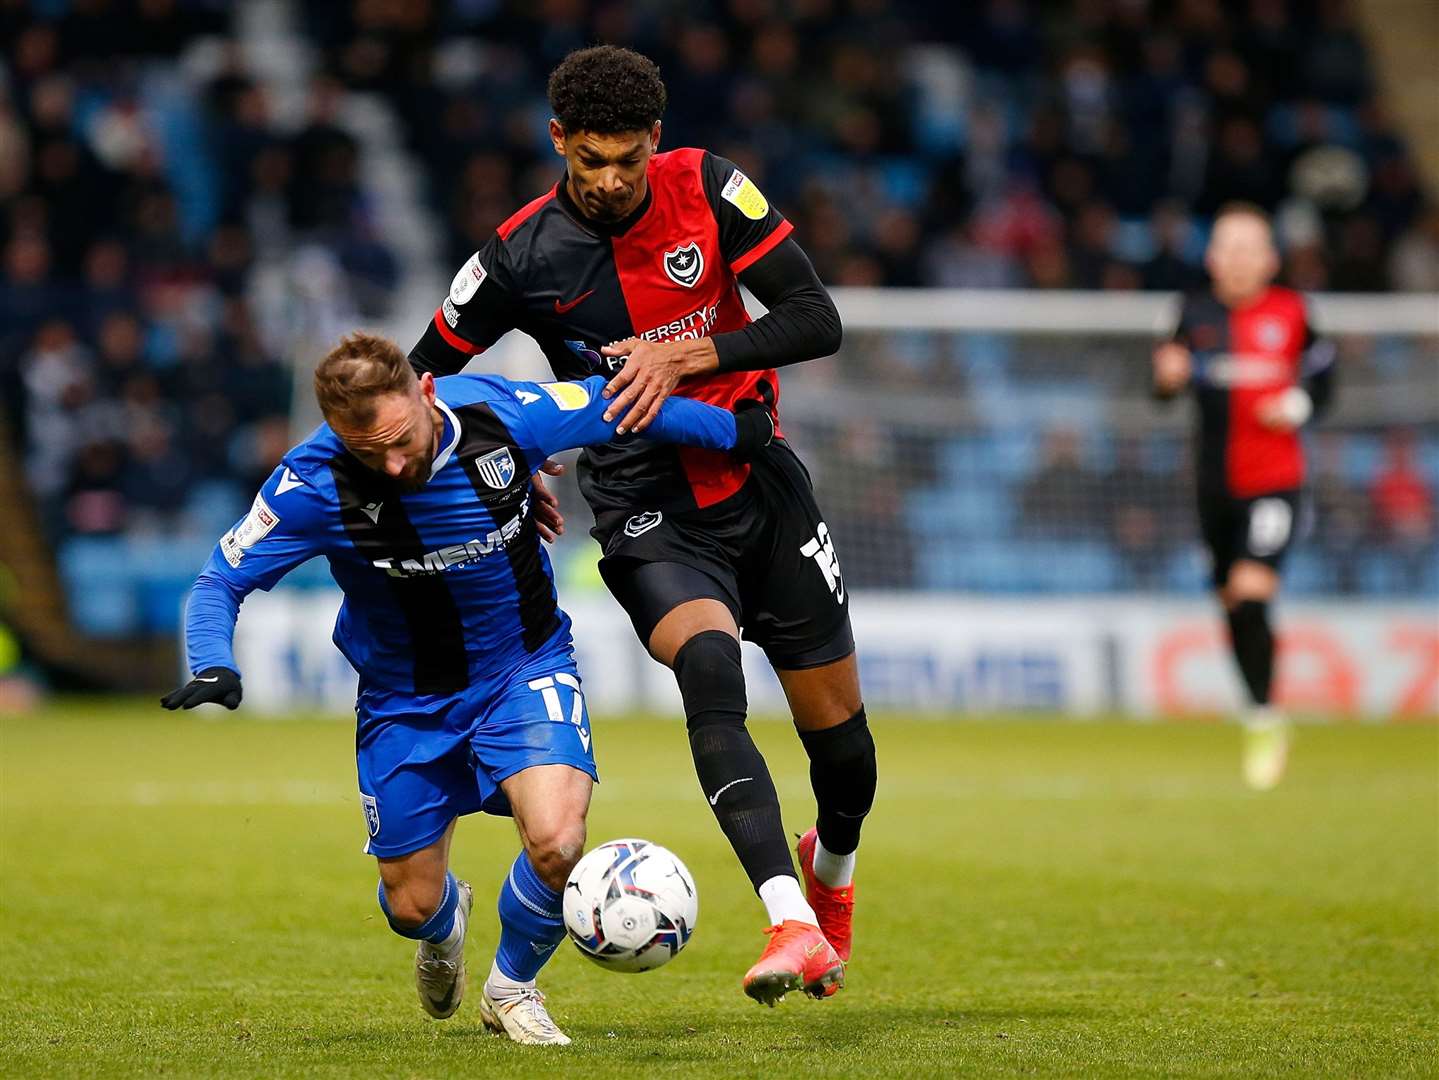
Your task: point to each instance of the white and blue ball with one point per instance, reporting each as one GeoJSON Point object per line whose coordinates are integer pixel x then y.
{"type": "Point", "coordinates": [630, 905]}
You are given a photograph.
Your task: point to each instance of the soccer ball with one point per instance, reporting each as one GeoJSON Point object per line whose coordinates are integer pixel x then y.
{"type": "Point", "coordinates": [630, 905]}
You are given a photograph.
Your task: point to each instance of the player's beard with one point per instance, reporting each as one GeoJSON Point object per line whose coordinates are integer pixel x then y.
{"type": "Point", "coordinates": [606, 210]}
{"type": "Point", "coordinates": [417, 471]}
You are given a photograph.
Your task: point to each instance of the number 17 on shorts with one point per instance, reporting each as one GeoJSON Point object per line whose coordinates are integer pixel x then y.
{"type": "Point", "coordinates": [549, 690]}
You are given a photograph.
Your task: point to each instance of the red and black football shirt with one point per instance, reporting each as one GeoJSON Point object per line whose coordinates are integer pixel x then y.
{"type": "Point", "coordinates": [1242, 357]}
{"type": "Point", "coordinates": [668, 272]}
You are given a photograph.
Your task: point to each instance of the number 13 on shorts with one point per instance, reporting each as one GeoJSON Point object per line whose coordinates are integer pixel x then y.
{"type": "Point", "coordinates": [549, 690]}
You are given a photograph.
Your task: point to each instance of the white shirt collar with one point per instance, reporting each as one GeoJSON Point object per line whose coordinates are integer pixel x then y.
{"type": "Point", "coordinates": [449, 448]}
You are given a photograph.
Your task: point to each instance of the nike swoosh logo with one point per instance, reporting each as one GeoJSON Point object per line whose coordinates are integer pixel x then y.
{"type": "Point", "coordinates": [813, 950]}
{"type": "Point", "coordinates": [715, 797]}
{"type": "Point", "coordinates": [444, 1003]}
{"type": "Point", "coordinates": [212, 678]}
{"type": "Point", "coordinates": [560, 308]}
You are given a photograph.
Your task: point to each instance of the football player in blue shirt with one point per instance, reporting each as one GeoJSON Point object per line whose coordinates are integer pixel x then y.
{"type": "Point", "coordinates": [418, 491]}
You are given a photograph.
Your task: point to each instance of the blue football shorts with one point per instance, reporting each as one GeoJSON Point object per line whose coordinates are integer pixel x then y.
{"type": "Point", "coordinates": [425, 760]}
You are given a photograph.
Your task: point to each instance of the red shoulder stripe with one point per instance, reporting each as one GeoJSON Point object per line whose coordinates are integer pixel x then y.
{"type": "Point", "coordinates": [453, 339]}
{"type": "Point", "coordinates": [524, 213]}
{"type": "Point", "coordinates": [763, 248]}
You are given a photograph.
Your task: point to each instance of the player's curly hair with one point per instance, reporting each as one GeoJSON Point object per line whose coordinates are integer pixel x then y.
{"type": "Point", "coordinates": [606, 89]}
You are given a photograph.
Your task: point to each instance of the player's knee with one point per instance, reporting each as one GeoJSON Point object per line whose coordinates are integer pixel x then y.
{"type": "Point", "coordinates": [554, 850]}
{"type": "Point", "coordinates": [711, 679]}
{"type": "Point", "coordinates": [846, 753]}
{"type": "Point", "coordinates": [409, 904]}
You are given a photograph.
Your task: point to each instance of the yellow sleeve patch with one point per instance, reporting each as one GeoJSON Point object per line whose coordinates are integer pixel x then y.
{"type": "Point", "coordinates": [740, 190]}
{"type": "Point", "coordinates": [569, 396]}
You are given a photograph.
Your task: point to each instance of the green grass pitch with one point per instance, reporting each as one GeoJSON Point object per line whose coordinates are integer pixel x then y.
{"type": "Point", "coordinates": [186, 896]}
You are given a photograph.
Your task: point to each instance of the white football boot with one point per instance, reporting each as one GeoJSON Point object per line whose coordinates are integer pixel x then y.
{"type": "Point", "coordinates": [1266, 748]}
{"type": "Point", "coordinates": [520, 1014]}
{"type": "Point", "coordinates": [440, 976]}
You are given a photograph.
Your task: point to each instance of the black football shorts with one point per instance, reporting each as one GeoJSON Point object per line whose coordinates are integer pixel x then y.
{"type": "Point", "coordinates": [1261, 529]}
{"type": "Point", "coordinates": [765, 553]}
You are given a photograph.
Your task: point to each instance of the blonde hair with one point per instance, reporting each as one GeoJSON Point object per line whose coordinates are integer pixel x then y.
{"type": "Point", "coordinates": [355, 372]}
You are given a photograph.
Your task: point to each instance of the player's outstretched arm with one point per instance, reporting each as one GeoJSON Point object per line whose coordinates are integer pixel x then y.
{"type": "Point", "coordinates": [281, 531]}
{"type": "Point", "coordinates": [566, 415]}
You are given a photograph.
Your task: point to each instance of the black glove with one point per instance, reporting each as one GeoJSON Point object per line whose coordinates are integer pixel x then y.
{"type": "Point", "coordinates": [754, 429]}
{"type": "Point", "coordinates": [215, 684]}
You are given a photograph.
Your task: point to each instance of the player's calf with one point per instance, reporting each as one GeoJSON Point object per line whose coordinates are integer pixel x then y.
{"type": "Point", "coordinates": [731, 770]}
{"type": "Point", "coordinates": [531, 928]}
{"type": "Point", "coordinates": [440, 953]}
{"type": "Point", "coordinates": [844, 774]}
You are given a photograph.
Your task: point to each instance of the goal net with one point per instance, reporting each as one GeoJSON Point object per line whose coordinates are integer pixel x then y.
{"type": "Point", "coordinates": [1006, 443]}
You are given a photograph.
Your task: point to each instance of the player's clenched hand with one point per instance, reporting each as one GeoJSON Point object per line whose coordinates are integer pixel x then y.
{"type": "Point", "coordinates": [548, 519]}
{"type": "Point", "coordinates": [650, 375]}
{"type": "Point", "coordinates": [1173, 367]}
{"type": "Point", "coordinates": [216, 685]}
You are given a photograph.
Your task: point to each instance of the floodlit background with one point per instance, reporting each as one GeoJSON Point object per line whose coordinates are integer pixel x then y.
{"type": "Point", "coordinates": [197, 197]}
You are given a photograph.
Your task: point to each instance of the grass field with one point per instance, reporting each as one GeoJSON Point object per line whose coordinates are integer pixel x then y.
{"type": "Point", "coordinates": [186, 896]}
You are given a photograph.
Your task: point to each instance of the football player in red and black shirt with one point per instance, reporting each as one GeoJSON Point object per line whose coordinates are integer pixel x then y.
{"type": "Point", "coordinates": [630, 266]}
{"type": "Point", "coordinates": [1258, 375]}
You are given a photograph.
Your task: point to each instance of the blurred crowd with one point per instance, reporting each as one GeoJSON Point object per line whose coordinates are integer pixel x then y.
{"type": "Point", "coordinates": [170, 227]}
{"type": "Point", "coordinates": [1077, 144]}
{"type": "Point", "coordinates": [152, 243]}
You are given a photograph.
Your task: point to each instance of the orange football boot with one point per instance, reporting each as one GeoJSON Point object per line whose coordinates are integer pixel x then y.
{"type": "Point", "coordinates": [833, 907]}
{"type": "Point", "coordinates": [797, 958]}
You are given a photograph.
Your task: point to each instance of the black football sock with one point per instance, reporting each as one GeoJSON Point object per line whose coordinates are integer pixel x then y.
{"type": "Point", "coordinates": [1253, 643]}
{"type": "Point", "coordinates": [843, 774]}
{"type": "Point", "coordinates": [732, 772]}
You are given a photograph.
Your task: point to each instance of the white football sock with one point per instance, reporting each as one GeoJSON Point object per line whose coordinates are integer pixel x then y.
{"type": "Point", "coordinates": [783, 900]}
{"type": "Point", "coordinates": [456, 939]}
{"type": "Point", "coordinates": [501, 984]}
{"type": "Point", "coordinates": [836, 871]}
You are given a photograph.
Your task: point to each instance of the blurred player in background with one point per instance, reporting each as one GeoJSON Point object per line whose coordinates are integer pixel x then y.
{"type": "Point", "coordinates": [1258, 375]}
{"type": "Point", "coordinates": [630, 267]}
{"type": "Point", "coordinates": [419, 494]}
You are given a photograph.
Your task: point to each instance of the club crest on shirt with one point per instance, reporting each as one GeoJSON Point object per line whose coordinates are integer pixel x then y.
{"type": "Point", "coordinates": [497, 468]}
{"type": "Point", "coordinates": [685, 264]}
{"type": "Point", "coordinates": [1271, 334]}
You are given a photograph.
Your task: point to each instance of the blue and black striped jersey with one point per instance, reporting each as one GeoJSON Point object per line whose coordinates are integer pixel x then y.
{"type": "Point", "coordinates": [447, 586]}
